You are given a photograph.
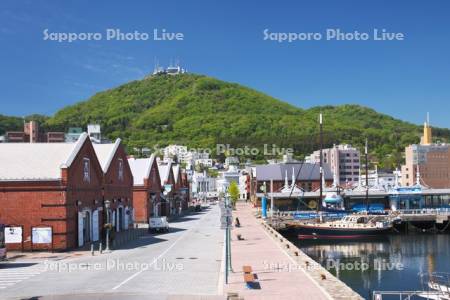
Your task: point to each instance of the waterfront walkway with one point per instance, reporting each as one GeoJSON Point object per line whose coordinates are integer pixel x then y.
{"type": "Point", "coordinates": [277, 274]}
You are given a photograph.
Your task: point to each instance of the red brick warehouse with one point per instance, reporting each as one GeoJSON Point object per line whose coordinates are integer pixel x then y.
{"type": "Point", "coordinates": [52, 184]}
{"type": "Point", "coordinates": [146, 188]}
{"type": "Point", "coordinates": [181, 190]}
{"type": "Point", "coordinates": [117, 184]}
{"type": "Point", "coordinates": [168, 185]}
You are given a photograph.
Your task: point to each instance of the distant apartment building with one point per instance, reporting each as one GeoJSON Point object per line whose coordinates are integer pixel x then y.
{"type": "Point", "coordinates": [231, 161]}
{"type": "Point", "coordinates": [427, 163]}
{"type": "Point", "coordinates": [55, 137]}
{"type": "Point", "coordinates": [32, 134]}
{"type": "Point", "coordinates": [206, 162]}
{"type": "Point", "coordinates": [183, 155]}
{"type": "Point", "coordinates": [73, 133]}
{"type": "Point", "coordinates": [94, 133]}
{"type": "Point", "coordinates": [343, 160]}
{"type": "Point", "coordinates": [172, 152]}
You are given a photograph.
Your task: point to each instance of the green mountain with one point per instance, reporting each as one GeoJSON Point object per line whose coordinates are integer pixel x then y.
{"type": "Point", "coordinates": [201, 112]}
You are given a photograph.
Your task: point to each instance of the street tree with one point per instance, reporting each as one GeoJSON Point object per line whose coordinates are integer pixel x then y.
{"type": "Point", "coordinates": [234, 193]}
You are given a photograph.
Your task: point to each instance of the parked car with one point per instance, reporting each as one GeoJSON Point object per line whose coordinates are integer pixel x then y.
{"type": "Point", "coordinates": [158, 224]}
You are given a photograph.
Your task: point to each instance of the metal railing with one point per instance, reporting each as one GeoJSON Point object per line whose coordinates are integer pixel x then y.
{"type": "Point", "coordinates": [425, 211]}
{"type": "Point", "coordinates": [407, 295]}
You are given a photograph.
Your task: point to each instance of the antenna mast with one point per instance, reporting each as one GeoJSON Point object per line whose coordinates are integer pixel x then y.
{"type": "Point", "coordinates": [319, 203]}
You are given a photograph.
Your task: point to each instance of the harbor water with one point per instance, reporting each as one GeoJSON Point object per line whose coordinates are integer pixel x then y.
{"type": "Point", "coordinates": [390, 263]}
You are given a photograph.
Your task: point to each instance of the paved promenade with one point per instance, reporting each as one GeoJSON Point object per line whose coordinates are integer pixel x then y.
{"type": "Point", "coordinates": [278, 276]}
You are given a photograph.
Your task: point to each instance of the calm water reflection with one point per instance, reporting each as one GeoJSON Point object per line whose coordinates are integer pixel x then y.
{"type": "Point", "coordinates": [390, 263]}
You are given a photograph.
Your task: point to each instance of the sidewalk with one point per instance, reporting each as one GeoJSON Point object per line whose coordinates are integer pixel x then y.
{"type": "Point", "coordinates": [268, 261]}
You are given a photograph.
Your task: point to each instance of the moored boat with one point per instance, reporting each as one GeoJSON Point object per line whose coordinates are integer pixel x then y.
{"type": "Point", "coordinates": [349, 227]}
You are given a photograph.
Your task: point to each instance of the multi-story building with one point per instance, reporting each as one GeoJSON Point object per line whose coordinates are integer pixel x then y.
{"type": "Point", "coordinates": [427, 163]}
{"type": "Point", "coordinates": [344, 163]}
{"type": "Point", "coordinates": [95, 133]}
{"type": "Point", "coordinates": [31, 129]}
{"type": "Point", "coordinates": [55, 137]}
{"type": "Point", "coordinates": [32, 134]}
{"type": "Point", "coordinates": [73, 133]}
{"type": "Point", "coordinates": [175, 151]}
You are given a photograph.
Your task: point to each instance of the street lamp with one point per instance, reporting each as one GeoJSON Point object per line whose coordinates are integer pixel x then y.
{"type": "Point", "coordinates": [107, 206]}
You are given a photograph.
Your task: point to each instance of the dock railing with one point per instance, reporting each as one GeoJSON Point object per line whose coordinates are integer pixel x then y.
{"type": "Point", "coordinates": [425, 211]}
{"type": "Point", "coordinates": [406, 295]}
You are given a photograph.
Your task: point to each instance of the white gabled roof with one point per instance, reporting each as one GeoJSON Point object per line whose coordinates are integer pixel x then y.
{"type": "Point", "coordinates": [164, 171]}
{"type": "Point", "coordinates": [105, 153]}
{"type": "Point", "coordinates": [176, 170]}
{"type": "Point", "coordinates": [141, 168]}
{"type": "Point", "coordinates": [37, 161]}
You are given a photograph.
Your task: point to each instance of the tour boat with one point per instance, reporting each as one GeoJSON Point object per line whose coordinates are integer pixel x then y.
{"type": "Point", "coordinates": [349, 227]}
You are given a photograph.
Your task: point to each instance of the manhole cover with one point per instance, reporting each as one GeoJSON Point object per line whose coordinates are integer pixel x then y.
{"type": "Point", "coordinates": [179, 258]}
{"type": "Point", "coordinates": [193, 257]}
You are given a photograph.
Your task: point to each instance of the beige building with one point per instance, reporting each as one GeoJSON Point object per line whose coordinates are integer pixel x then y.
{"type": "Point", "coordinates": [343, 160]}
{"type": "Point", "coordinates": [427, 163]}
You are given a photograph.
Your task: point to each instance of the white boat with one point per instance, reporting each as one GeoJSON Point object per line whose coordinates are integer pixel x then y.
{"type": "Point", "coordinates": [349, 227]}
{"type": "Point", "coordinates": [438, 284]}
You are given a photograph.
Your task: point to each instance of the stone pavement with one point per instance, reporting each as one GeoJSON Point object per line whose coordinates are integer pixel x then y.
{"type": "Point", "coordinates": [278, 275]}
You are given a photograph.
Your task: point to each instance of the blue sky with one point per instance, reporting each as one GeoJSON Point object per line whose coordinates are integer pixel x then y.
{"type": "Point", "coordinates": [224, 39]}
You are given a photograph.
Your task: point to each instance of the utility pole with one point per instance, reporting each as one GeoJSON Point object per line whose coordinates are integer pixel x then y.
{"type": "Point", "coordinates": [366, 152]}
{"type": "Point", "coordinates": [271, 198]}
{"type": "Point", "coordinates": [319, 202]}
{"type": "Point", "coordinates": [107, 206]}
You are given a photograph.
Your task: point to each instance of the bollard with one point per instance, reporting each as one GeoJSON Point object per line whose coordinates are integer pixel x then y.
{"type": "Point", "coordinates": [92, 248]}
{"type": "Point", "coordinates": [100, 250]}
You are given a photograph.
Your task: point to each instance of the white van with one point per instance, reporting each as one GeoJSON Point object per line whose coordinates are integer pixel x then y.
{"type": "Point", "coordinates": [158, 224]}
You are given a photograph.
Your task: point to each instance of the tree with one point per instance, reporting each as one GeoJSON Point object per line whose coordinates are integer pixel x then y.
{"type": "Point", "coordinates": [234, 193]}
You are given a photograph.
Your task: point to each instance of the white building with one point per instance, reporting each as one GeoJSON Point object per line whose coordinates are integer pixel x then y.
{"type": "Point", "coordinates": [203, 186]}
{"type": "Point", "coordinates": [95, 133]}
{"type": "Point", "coordinates": [344, 162]}
{"type": "Point", "coordinates": [226, 177]}
{"type": "Point", "coordinates": [231, 161]}
{"type": "Point", "coordinates": [183, 155]}
{"type": "Point", "coordinates": [381, 180]}
{"type": "Point", "coordinates": [206, 162]}
{"type": "Point", "coordinates": [172, 151]}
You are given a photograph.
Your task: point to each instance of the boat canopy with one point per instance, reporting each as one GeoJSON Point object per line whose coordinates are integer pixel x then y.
{"type": "Point", "coordinates": [332, 198]}
{"type": "Point", "coordinates": [374, 207]}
